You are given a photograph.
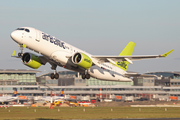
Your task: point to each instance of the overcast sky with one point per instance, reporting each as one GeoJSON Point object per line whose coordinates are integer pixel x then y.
{"type": "Point", "coordinates": [100, 27]}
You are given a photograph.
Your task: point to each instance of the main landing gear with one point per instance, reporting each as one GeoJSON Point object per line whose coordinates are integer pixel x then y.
{"type": "Point", "coordinates": [85, 76]}
{"type": "Point", "coordinates": [54, 76]}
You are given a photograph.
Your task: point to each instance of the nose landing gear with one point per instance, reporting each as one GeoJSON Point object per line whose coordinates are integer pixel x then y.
{"type": "Point", "coordinates": [20, 54]}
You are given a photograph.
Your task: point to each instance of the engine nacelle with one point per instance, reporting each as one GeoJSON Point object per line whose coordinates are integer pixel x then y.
{"type": "Point", "coordinates": [82, 60]}
{"type": "Point", "coordinates": [31, 60]}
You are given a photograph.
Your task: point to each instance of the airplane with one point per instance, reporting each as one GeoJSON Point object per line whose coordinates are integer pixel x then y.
{"type": "Point", "coordinates": [48, 98]}
{"type": "Point", "coordinates": [6, 99]}
{"type": "Point", "coordinates": [59, 53]}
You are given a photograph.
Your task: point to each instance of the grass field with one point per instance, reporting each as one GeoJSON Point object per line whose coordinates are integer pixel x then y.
{"type": "Point", "coordinates": [87, 113]}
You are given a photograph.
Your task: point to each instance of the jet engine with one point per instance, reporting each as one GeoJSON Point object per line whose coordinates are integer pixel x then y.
{"type": "Point", "coordinates": [82, 60]}
{"type": "Point", "coordinates": [31, 60]}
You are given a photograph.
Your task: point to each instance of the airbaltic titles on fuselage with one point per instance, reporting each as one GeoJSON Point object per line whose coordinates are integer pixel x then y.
{"type": "Point", "coordinates": [53, 40]}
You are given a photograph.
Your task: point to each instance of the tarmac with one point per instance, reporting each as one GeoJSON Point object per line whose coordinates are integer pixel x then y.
{"type": "Point", "coordinates": [148, 119]}
{"type": "Point", "coordinates": [136, 103]}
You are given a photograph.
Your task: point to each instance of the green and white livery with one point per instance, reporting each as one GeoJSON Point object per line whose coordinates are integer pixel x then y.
{"type": "Point", "coordinates": [59, 53]}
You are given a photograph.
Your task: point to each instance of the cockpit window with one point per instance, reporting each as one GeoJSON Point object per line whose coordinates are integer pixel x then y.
{"type": "Point", "coordinates": [20, 29]}
{"type": "Point", "coordinates": [27, 30]}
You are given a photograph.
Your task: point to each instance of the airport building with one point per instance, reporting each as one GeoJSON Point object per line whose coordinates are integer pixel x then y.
{"type": "Point", "coordinates": [93, 91]}
{"type": "Point", "coordinates": [18, 77]}
{"type": "Point", "coordinates": [27, 84]}
{"type": "Point", "coordinates": [168, 79]}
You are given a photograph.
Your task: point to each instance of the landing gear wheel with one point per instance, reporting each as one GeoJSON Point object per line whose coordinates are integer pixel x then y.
{"type": "Point", "coordinates": [56, 76]}
{"type": "Point", "coordinates": [20, 54]}
{"type": "Point", "coordinates": [88, 76]}
{"type": "Point", "coordinates": [83, 76]}
{"type": "Point", "coordinates": [52, 76]}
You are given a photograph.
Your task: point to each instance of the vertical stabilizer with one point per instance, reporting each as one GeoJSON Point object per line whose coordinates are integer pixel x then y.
{"type": "Point", "coordinates": [128, 50]}
{"type": "Point", "coordinates": [62, 92]}
{"type": "Point", "coordinates": [15, 92]}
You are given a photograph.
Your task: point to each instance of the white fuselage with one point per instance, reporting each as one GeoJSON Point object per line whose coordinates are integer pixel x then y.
{"type": "Point", "coordinates": [57, 50]}
{"type": "Point", "coordinates": [7, 98]}
{"type": "Point", "coordinates": [49, 98]}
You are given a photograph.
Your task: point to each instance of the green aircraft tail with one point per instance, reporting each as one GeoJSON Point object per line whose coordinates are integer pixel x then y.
{"type": "Point", "coordinates": [128, 50]}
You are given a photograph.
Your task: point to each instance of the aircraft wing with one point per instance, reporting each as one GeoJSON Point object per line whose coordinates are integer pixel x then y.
{"type": "Point", "coordinates": [139, 75]}
{"type": "Point", "coordinates": [130, 58]}
{"type": "Point", "coordinates": [43, 59]}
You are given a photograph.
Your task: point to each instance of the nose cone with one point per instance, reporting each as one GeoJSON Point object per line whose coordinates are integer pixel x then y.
{"type": "Point", "coordinates": [14, 35]}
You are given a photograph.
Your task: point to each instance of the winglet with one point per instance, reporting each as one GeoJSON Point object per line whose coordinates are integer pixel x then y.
{"type": "Point", "coordinates": [14, 53]}
{"type": "Point", "coordinates": [166, 54]}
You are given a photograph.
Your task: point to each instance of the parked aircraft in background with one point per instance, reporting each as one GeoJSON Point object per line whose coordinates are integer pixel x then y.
{"type": "Point", "coordinates": [48, 98]}
{"type": "Point", "coordinates": [6, 99]}
{"type": "Point", "coordinates": [60, 53]}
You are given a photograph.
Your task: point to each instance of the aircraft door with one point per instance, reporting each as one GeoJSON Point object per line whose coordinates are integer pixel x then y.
{"type": "Point", "coordinates": [38, 36]}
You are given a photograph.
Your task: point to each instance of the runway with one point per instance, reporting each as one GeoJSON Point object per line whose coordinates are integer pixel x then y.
{"type": "Point", "coordinates": [130, 119]}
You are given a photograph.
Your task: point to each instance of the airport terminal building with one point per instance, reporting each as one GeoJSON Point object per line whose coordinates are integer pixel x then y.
{"type": "Point", "coordinates": [27, 84]}
{"type": "Point", "coordinates": [18, 77]}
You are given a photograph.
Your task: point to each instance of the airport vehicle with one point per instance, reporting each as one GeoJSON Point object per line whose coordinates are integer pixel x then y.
{"type": "Point", "coordinates": [48, 98]}
{"type": "Point", "coordinates": [57, 102]}
{"type": "Point", "coordinates": [84, 103]}
{"type": "Point", "coordinates": [60, 53]}
{"type": "Point", "coordinates": [72, 102]}
{"type": "Point", "coordinates": [6, 99]}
